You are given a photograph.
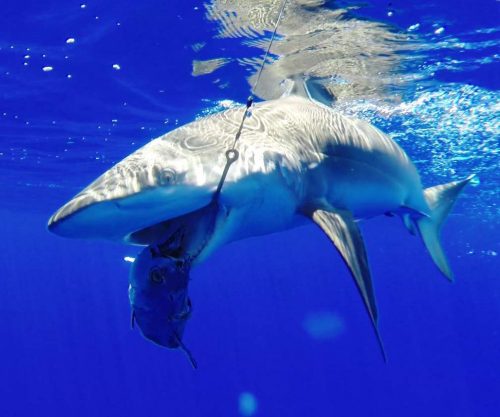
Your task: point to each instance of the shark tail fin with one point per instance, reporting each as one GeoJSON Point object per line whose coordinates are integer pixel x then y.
{"type": "Point", "coordinates": [440, 200]}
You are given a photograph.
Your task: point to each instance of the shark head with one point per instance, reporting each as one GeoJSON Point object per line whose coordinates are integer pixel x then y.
{"type": "Point", "coordinates": [162, 180]}
{"type": "Point", "coordinates": [158, 297]}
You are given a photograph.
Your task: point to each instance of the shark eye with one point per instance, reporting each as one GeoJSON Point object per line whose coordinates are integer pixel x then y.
{"type": "Point", "coordinates": [156, 276]}
{"type": "Point", "coordinates": [167, 176]}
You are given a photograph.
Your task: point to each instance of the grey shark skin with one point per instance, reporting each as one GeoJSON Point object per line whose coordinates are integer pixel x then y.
{"type": "Point", "coordinates": [298, 160]}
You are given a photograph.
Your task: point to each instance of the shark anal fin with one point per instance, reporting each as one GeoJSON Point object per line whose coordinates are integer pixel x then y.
{"type": "Point", "coordinates": [344, 233]}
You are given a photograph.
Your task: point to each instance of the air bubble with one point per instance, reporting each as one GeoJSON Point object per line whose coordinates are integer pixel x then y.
{"type": "Point", "coordinates": [247, 404]}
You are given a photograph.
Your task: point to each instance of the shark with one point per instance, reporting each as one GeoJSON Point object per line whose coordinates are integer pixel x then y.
{"type": "Point", "coordinates": [299, 161]}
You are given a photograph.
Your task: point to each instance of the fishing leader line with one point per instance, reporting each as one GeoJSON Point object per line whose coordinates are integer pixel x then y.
{"type": "Point", "coordinates": [232, 154]}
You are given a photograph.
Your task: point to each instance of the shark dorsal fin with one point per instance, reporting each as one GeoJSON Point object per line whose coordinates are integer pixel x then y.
{"type": "Point", "coordinates": [308, 87]}
{"type": "Point", "coordinates": [344, 233]}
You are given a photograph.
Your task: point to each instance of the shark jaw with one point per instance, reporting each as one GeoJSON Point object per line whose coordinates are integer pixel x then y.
{"type": "Point", "coordinates": [116, 219]}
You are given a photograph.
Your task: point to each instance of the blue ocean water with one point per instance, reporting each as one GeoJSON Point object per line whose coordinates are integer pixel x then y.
{"type": "Point", "coordinates": [278, 328]}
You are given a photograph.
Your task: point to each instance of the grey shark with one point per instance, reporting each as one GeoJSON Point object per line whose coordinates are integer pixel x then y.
{"type": "Point", "coordinates": [299, 161]}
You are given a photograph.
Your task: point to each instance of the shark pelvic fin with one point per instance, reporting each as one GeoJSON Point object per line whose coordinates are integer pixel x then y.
{"type": "Point", "coordinates": [440, 200]}
{"type": "Point", "coordinates": [344, 233]}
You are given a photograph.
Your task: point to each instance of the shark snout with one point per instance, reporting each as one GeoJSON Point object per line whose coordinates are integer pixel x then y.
{"type": "Point", "coordinates": [156, 183]}
{"type": "Point", "coordinates": [115, 216]}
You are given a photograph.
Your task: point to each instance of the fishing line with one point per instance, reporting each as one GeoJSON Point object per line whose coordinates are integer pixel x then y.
{"type": "Point", "coordinates": [232, 154]}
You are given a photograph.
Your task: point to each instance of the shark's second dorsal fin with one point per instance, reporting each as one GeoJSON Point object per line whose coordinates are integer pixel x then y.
{"type": "Point", "coordinates": [344, 233]}
{"type": "Point", "coordinates": [309, 88]}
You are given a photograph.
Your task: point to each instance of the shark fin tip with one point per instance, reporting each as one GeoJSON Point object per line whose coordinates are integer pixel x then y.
{"type": "Point", "coordinates": [380, 343]}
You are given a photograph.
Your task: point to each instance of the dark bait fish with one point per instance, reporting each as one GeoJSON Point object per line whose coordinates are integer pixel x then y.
{"type": "Point", "coordinates": [158, 294]}
{"type": "Point", "coordinates": [159, 277]}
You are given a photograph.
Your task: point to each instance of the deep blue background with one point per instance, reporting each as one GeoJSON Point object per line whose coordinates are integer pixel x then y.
{"type": "Point", "coordinates": [65, 339]}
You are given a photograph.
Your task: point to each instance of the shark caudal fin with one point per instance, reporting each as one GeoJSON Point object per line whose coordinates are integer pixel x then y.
{"type": "Point", "coordinates": [440, 200]}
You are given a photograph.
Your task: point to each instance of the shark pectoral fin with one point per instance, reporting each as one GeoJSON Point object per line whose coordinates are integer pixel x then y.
{"type": "Point", "coordinates": [344, 233]}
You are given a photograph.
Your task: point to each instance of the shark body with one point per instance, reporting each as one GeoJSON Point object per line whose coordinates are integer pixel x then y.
{"type": "Point", "coordinates": [299, 160]}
